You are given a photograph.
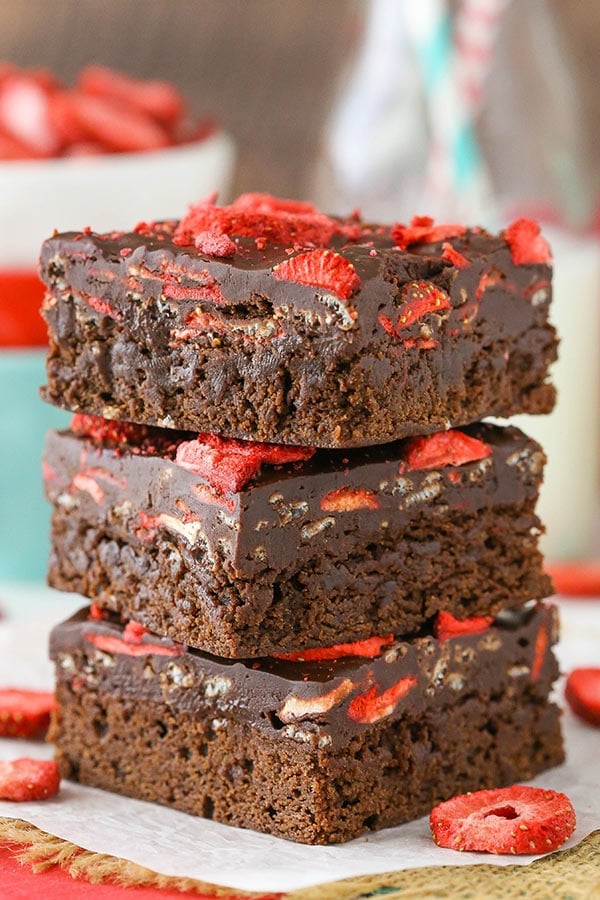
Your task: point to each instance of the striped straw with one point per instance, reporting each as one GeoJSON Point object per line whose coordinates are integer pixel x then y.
{"type": "Point", "coordinates": [454, 64]}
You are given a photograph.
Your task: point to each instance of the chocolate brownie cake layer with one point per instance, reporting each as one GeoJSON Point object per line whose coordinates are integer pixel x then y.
{"type": "Point", "coordinates": [325, 550]}
{"type": "Point", "coordinates": [317, 752]}
{"type": "Point", "coordinates": [358, 344]}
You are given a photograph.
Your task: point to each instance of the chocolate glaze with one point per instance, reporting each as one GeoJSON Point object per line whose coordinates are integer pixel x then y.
{"type": "Point", "coordinates": [311, 701]}
{"type": "Point", "coordinates": [257, 327]}
{"type": "Point", "coordinates": [277, 518]}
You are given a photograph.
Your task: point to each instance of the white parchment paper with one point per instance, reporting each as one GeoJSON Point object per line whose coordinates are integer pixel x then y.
{"type": "Point", "coordinates": [175, 843]}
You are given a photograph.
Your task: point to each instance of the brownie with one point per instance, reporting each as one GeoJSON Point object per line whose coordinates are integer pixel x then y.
{"type": "Point", "coordinates": [335, 546]}
{"type": "Point", "coordinates": [371, 334]}
{"type": "Point", "coordinates": [314, 751]}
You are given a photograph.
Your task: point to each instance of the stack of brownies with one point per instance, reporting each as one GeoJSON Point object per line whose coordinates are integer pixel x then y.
{"type": "Point", "coordinates": [314, 576]}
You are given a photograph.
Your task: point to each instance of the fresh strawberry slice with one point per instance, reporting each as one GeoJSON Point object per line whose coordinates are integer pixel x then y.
{"type": "Point", "coordinates": [582, 692]}
{"type": "Point", "coordinates": [515, 820]}
{"type": "Point", "coordinates": [158, 99]}
{"type": "Point", "coordinates": [348, 499]}
{"type": "Point", "coordinates": [423, 230]}
{"type": "Point", "coordinates": [228, 465]}
{"type": "Point", "coordinates": [371, 706]}
{"type": "Point", "coordinates": [369, 648]}
{"type": "Point", "coordinates": [24, 713]}
{"type": "Point", "coordinates": [322, 269]}
{"type": "Point", "coordinates": [21, 295]}
{"type": "Point", "coordinates": [120, 127]}
{"type": "Point", "coordinates": [526, 243]}
{"type": "Point", "coordinates": [28, 779]}
{"type": "Point", "coordinates": [447, 626]}
{"type": "Point", "coordinates": [444, 448]}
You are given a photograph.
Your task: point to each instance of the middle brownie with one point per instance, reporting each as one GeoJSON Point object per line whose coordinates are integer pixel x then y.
{"type": "Point", "coordinates": [243, 549]}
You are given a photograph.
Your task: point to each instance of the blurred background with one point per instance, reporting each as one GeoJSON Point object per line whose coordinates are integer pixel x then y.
{"type": "Point", "coordinates": [478, 110]}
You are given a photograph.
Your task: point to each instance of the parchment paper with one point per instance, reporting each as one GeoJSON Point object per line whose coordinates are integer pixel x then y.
{"type": "Point", "coordinates": [178, 844]}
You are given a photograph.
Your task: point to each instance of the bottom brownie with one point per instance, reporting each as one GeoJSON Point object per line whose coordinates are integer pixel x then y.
{"type": "Point", "coordinates": [314, 751]}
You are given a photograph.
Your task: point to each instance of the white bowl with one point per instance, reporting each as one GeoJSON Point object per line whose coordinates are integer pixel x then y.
{"type": "Point", "coordinates": [111, 192]}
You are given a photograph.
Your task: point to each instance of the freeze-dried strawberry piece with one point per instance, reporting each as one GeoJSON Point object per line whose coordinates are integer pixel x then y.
{"type": "Point", "coordinates": [423, 230]}
{"type": "Point", "coordinates": [322, 269]}
{"type": "Point", "coordinates": [119, 127]}
{"type": "Point", "coordinates": [540, 649]}
{"type": "Point", "coordinates": [371, 706]}
{"type": "Point", "coordinates": [267, 203]}
{"type": "Point", "coordinates": [369, 648]}
{"type": "Point", "coordinates": [24, 102]}
{"type": "Point", "coordinates": [420, 298]}
{"type": "Point", "coordinates": [515, 820]}
{"type": "Point", "coordinates": [110, 431]}
{"type": "Point", "coordinates": [447, 626]}
{"type": "Point", "coordinates": [96, 613]}
{"type": "Point", "coordinates": [346, 499]}
{"type": "Point", "coordinates": [133, 633]}
{"type": "Point", "coordinates": [111, 644]}
{"type": "Point", "coordinates": [444, 448]}
{"type": "Point", "coordinates": [575, 578]}
{"type": "Point", "coordinates": [24, 713]}
{"type": "Point", "coordinates": [267, 218]}
{"type": "Point", "coordinates": [158, 99]}
{"type": "Point", "coordinates": [228, 464]}
{"type": "Point", "coordinates": [28, 779]}
{"type": "Point", "coordinates": [214, 244]}
{"type": "Point", "coordinates": [526, 243]}
{"type": "Point", "coordinates": [582, 692]}
{"type": "Point", "coordinates": [452, 255]}
{"type": "Point", "coordinates": [11, 148]}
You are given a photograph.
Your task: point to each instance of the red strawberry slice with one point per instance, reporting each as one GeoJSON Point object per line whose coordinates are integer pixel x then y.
{"type": "Point", "coordinates": [526, 243]}
{"type": "Point", "coordinates": [575, 578]}
{"type": "Point", "coordinates": [103, 431]}
{"type": "Point", "coordinates": [423, 230]}
{"type": "Point", "coordinates": [369, 648]}
{"type": "Point", "coordinates": [453, 256]}
{"type": "Point", "coordinates": [215, 244]}
{"type": "Point", "coordinates": [158, 99]}
{"type": "Point", "coordinates": [24, 103]}
{"type": "Point", "coordinates": [348, 499]}
{"type": "Point", "coordinates": [582, 692]}
{"type": "Point", "coordinates": [516, 819]}
{"type": "Point", "coordinates": [321, 269]}
{"type": "Point", "coordinates": [447, 626]}
{"type": "Point", "coordinates": [420, 298]}
{"type": "Point", "coordinates": [267, 203]}
{"type": "Point", "coordinates": [12, 148]}
{"type": "Point", "coordinates": [131, 644]}
{"type": "Point", "coordinates": [444, 448]}
{"type": "Point", "coordinates": [276, 224]}
{"type": "Point", "coordinates": [28, 779]}
{"type": "Point", "coordinates": [228, 465]}
{"type": "Point", "coordinates": [371, 706]}
{"type": "Point", "coordinates": [120, 127]}
{"type": "Point", "coordinates": [24, 713]}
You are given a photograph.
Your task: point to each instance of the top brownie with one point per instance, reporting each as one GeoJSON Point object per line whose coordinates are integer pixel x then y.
{"type": "Point", "coordinates": [270, 321]}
